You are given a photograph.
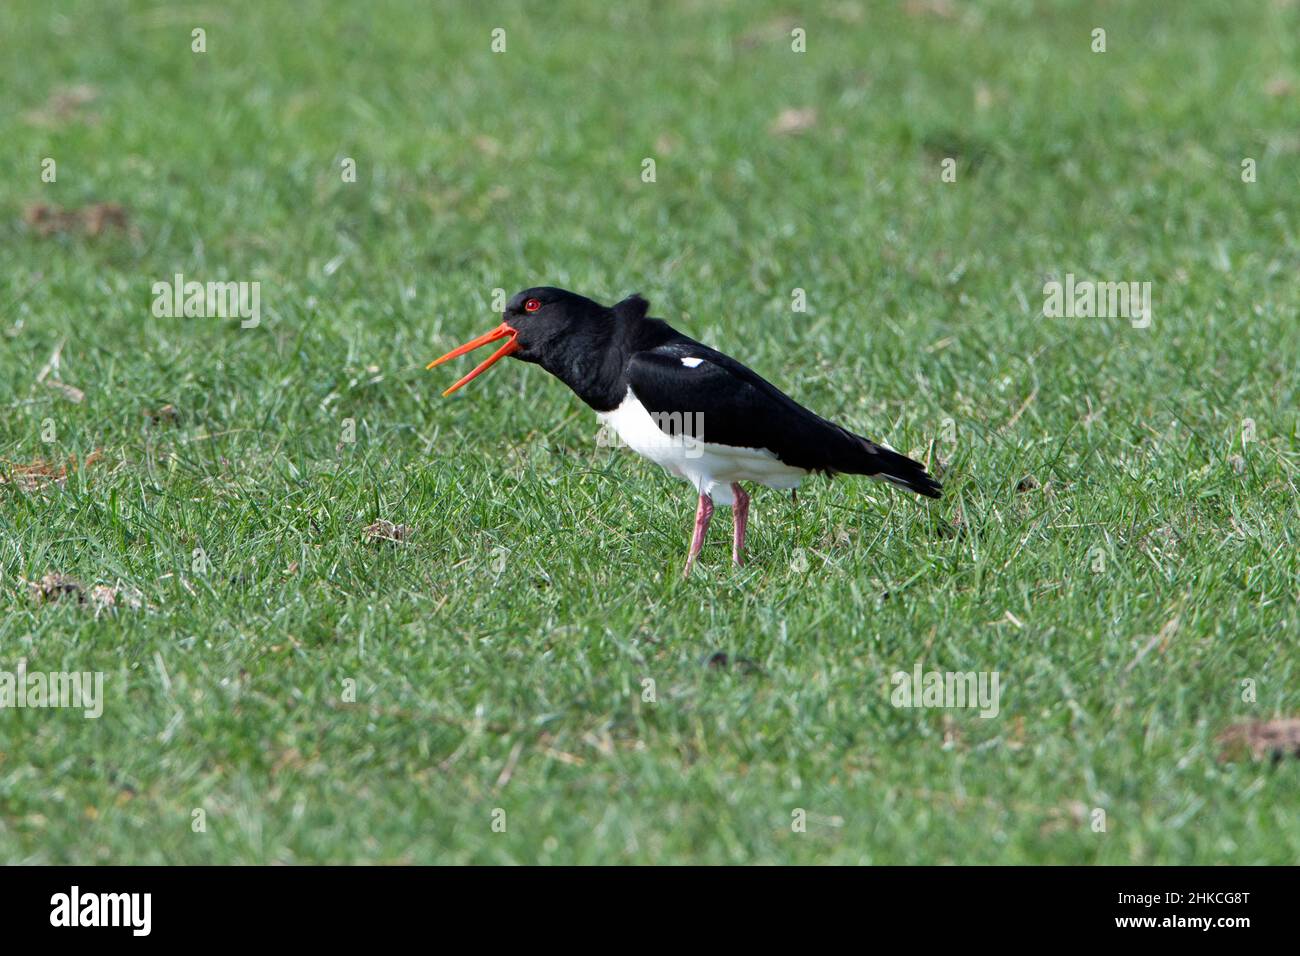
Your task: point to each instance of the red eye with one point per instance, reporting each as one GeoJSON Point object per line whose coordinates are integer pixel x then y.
{"type": "Point", "coordinates": [532, 305]}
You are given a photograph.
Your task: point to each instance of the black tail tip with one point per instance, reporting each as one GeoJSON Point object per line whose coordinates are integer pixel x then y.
{"type": "Point", "coordinates": [885, 464]}
{"type": "Point", "coordinates": [915, 479]}
{"type": "Point", "coordinates": [931, 488]}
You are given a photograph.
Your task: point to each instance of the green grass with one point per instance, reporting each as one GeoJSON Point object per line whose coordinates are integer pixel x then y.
{"type": "Point", "coordinates": [499, 654]}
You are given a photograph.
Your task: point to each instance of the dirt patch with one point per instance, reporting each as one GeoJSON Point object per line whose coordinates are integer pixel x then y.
{"type": "Point", "coordinates": [386, 531]}
{"type": "Point", "coordinates": [773, 31]}
{"type": "Point", "coordinates": [57, 587]}
{"type": "Point", "coordinates": [102, 598]}
{"type": "Point", "coordinates": [41, 473]}
{"type": "Point", "coordinates": [65, 105]}
{"type": "Point", "coordinates": [106, 598]}
{"type": "Point", "coordinates": [793, 122]}
{"type": "Point", "coordinates": [1261, 740]}
{"type": "Point", "coordinates": [930, 9]}
{"type": "Point", "coordinates": [164, 415]}
{"type": "Point", "coordinates": [47, 220]}
{"type": "Point", "coordinates": [722, 661]}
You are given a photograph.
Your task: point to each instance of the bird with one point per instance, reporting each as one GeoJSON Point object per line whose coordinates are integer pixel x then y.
{"type": "Point", "coordinates": [697, 412]}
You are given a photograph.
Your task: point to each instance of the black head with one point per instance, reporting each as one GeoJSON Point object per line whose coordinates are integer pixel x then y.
{"type": "Point", "coordinates": [557, 329]}
{"type": "Point", "coordinates": [544, 318]}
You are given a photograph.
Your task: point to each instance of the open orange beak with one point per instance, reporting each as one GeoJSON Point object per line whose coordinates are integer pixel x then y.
{"type": "Point", "coordinates": [500, 332]}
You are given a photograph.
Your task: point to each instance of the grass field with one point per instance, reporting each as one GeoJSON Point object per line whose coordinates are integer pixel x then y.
{"type": "Point", "coordinates": [1117, 540]}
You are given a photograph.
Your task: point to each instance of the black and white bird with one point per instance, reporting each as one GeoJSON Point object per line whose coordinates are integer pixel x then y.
{"type": "Point", "coordinates": [697, 412]}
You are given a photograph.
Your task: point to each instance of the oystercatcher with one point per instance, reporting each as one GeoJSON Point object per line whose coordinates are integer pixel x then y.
{"type": "Point", "coordinates": [700, 414]}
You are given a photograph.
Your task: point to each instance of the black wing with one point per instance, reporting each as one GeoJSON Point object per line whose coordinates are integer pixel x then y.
{"type": "Point", "coordinates": [720, 401]}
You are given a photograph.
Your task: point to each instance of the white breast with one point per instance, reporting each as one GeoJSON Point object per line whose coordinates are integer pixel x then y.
{"type": "Point", "coordinates": [711, 468]}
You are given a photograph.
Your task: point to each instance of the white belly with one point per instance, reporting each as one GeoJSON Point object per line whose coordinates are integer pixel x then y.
{"type": "Point", "coordinates": [710, 468]}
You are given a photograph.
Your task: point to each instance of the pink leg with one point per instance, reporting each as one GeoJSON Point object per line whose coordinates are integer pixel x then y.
{"type": "Point", "coordinates": [703, 514]}
{"type": "Point", "coordinates": [740, 515]}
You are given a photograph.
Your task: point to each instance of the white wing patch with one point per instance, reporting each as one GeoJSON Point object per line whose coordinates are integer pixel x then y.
{"type": "Point", "coordinates": [692, 362]}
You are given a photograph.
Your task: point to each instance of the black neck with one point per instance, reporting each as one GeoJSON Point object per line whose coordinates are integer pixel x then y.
{"type": "Point", "coordinates": [593, 360]}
